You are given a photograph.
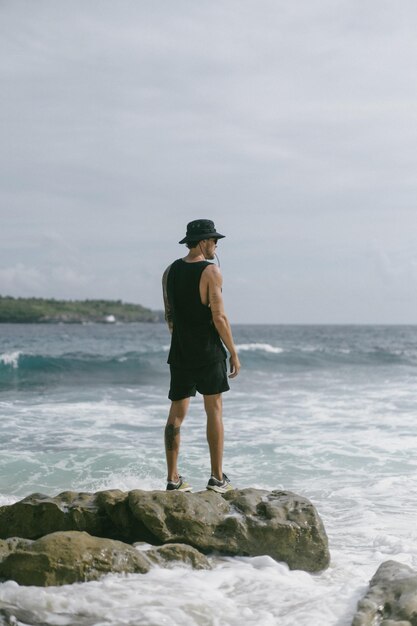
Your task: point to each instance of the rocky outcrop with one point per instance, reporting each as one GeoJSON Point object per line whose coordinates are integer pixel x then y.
{"type": "Point", "coordinates": [103, 514]}
{"type": "Point", "coordinates": [67, 557]}
{"type": "Point", "coordinates": [391, 599]}
{"type": "Point", "coordinates": [248, 522]}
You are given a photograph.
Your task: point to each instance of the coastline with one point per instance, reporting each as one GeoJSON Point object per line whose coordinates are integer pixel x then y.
{"type": "Point", "coordinates": [51, 311]}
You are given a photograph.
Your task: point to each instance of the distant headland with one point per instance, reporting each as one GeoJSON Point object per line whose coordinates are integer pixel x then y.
{"type": "Point", "coordinates": [51, 311]}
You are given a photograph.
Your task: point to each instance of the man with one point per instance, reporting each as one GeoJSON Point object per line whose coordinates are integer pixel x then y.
{"type": "Point", "coordinates": [195, 315]}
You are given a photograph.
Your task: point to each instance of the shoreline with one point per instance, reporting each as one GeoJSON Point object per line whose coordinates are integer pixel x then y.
{"type": "Point", "coordinates": [51, 311]}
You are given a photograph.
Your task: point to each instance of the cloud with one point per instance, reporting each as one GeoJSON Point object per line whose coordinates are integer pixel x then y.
{"type": "Point", "coordinates": [292, 125]}
{"type": "Point", "coordinates": [21, 280]}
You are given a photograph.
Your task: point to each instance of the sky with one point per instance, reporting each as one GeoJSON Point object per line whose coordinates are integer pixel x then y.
{"type": "Point", "coordinates": [292, 125]}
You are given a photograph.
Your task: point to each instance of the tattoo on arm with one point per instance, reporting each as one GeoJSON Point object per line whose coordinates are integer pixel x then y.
{"type": "Point", "coordinates": [215, 292]}
{"type": "Point", "coordinates": [170, 434]}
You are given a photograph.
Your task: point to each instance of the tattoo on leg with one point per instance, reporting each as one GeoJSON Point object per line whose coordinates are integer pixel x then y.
{"type": "Point", "coordinates": [170, 433]}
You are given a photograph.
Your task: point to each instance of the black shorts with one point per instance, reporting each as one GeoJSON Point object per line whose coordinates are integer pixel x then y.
{"type": "Point", "coordinates": [207, 380]}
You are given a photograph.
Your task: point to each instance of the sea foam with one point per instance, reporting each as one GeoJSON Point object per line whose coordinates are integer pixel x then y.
{"type": "Point", "coordinates": [261, 347]}
{"type": "Point", "coordinates": [10, 358]}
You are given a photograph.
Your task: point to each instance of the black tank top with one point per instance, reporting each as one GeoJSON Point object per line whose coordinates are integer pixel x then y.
{"type": "Point", "coordinates": [195, 340]}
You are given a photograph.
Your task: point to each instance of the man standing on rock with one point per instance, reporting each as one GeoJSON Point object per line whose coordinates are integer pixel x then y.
{"type": "Point", "coordinates": [196, 318]}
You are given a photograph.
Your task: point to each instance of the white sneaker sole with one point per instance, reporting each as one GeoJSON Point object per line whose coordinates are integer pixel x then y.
{"type": "Point", "coordinates": [220, 489]}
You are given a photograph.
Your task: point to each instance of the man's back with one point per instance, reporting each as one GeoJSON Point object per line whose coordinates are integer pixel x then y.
{"type": "Point", "coordinates": [195, 340]}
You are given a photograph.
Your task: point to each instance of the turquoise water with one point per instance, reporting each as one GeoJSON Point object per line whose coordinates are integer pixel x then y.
{"type": "Point", "coordinates": [326, 411]}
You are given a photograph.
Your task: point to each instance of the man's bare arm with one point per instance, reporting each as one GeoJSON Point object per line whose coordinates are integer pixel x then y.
{"type": "Point", "coordinates": [220, 320]}
{"type": "Point", "coordinates": [168, 311]}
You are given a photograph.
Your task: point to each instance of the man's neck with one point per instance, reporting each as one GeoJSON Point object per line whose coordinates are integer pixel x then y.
{"type": "Point", "coordinates": [193, 257]}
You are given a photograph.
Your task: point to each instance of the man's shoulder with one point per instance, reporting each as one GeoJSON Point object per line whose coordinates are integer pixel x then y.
{"type": "Point", "coordinates": [212, 275]}
{"type": "Point", "coordinates": [166, 272]}
{"type": "Point", "coordinates": [212, 270]}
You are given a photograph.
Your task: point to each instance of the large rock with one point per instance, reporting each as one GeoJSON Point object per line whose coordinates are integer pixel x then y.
{"type": "Point", "coordinates": [248, 522]}
{"type": "Point", "coordinates": [391, 599]}
{"type": "Point", "coordinates": [38, 515]}
{"type": "Point", "coordinates": [70, 556]}
{"type": "Point", "coordinates": [103, 514]}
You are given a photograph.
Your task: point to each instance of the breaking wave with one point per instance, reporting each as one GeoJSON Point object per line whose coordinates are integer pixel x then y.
{"type": "Point", "coordinates": [24, 369]}
{"type": "Point", "coordinates": [21, 369]}
{"type": "Point", "coordinates": [261, 347]}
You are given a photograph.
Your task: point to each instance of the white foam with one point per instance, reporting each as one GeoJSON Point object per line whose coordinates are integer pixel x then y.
{"type": "Point", "coordinates": [127, 481]}
{"type": "Point", "coordinates": [8, 500]}
{"type": "Point", "coordinates": [261, 347]}
{"type": "Point", "coordinates": [233, 590]}
{"type": "Point", "coordinates": [10, 358]}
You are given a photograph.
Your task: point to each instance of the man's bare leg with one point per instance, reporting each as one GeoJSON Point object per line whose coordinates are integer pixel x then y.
{"type": "Point", "coordinates": [176, 416]}
{"type": "Point", "coordinates": [213, 405]}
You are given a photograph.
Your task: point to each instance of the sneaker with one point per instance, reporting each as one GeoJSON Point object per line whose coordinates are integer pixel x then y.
{"type": "Point", "coordinates": [220, 486]}
{"type": "Point", "coordinates": [180, 485]}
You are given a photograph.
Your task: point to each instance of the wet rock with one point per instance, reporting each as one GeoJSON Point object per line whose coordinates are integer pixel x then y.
{"type": "Point", "coordinates": [67, 557]}
{"type": "Point", "coordinates": [7, 546]}
{"type": "Point", "coordinates": [174, 553]}
{"type": "Point", "coordinates": [114, 507]}
{"type": "Point", "coordinates": [248, 522]}
{"type": "Point", "coordinates": [102, 514]}
{"type": "Point", "coordinates": [391, 599]}
{"type": "Point", "coordinates": [39, 515]}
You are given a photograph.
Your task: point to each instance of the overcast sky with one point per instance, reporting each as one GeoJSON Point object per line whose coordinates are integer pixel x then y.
{"type": "Point", "coordinates": [293, 125]}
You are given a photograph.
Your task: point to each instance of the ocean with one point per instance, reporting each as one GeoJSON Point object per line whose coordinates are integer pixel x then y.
{"type": "Point", "coordinates": [328, 412]}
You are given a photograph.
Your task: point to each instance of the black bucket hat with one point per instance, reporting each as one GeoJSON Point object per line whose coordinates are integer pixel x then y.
{"type": "Point", "coordinates": [199, 230]}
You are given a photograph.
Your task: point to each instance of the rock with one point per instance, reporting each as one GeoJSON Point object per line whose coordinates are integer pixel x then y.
{"type": "Point", "coordinates": [102, 514]}
{"type": "Point", "coordinates": [391, 599]}
{"type": "Point", "coordinates": [39, 515]}
{"type": "Point", "coordinates": [70, 556]}
{"type": "Point", "coordinates": [248, 522]}
{"type": "Point", "coordinates": [10, 545]}
{"type": "Point", "coordinates": [67, 557]}
{"type": "Point", "coordinates": [114, 506]}
{"type": "Point", "coordinates": [173, 553]}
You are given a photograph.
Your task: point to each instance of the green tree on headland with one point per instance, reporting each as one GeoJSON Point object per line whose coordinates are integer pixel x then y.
{"type": "Point", "coordinates": [42, 310]}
